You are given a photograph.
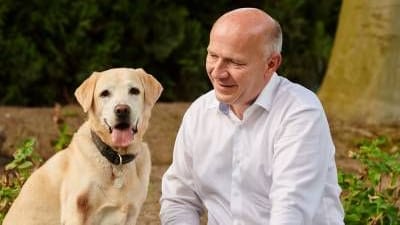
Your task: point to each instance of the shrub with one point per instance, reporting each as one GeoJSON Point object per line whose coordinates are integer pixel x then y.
{"type": "Point", "coordinates": [373, 196]}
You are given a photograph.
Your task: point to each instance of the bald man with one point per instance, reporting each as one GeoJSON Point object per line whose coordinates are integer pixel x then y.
{"type": "Point", "coordinates": [257, 148]}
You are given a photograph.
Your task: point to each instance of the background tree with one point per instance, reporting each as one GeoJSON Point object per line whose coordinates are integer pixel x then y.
{"type": "Point", "coordinates": [362, 84]}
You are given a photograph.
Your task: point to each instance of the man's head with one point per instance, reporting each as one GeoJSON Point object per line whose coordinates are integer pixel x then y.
{"type": "Point", "coordinates": [243, 53]}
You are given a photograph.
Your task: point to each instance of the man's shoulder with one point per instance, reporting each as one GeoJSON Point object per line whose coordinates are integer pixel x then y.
{"type": "Point", "coordinates": [205, 101]}
{"type": "Point", "coordinates": [297, 94]}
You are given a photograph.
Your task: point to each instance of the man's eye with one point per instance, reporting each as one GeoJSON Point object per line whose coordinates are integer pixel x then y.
{"type": "Point", "coordinates": [237, 63]}
{"type": "Point", "coordinates": [104, 94]}
{"type": "Point", "coordinates": [134, 91]}
{"type": "Point", "coordinates": [212, 56]}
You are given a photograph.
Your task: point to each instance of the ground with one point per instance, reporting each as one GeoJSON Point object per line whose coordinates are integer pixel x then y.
{"type": "Point", "coordinates": [20, 123]}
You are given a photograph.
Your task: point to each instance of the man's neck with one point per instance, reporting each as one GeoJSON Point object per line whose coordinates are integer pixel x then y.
{"type": "Point", "coordinates": [239, 110]}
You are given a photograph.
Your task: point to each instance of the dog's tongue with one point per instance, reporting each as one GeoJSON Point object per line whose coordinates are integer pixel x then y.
{"type": "Point", "coordinates": [121, 138]}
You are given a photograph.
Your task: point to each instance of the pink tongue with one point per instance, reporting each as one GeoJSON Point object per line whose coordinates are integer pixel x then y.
{"type": "Point", "coordinates": [121, 138]}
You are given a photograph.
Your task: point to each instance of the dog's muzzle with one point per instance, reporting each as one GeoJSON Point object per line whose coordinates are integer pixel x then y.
{"type": "Point", "coordinates": [122, 112]}
{"type": "Point", "coordinates": [123, 129]}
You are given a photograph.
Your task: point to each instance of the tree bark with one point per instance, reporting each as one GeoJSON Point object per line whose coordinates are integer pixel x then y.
{"type": "Point", "coordinates": [362, 83]}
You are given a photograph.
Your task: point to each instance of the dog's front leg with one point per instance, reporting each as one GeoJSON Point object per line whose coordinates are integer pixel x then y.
{"type": "Point", "coordinates": [75, 206]}
{"type": "Point", "coordinates": [71, 216]}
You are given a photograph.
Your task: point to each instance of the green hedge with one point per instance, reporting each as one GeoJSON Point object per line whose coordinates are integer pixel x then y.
{"type": "Point", "coordinates": [48, 47]}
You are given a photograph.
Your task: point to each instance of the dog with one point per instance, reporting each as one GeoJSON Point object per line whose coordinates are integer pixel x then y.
{"type": "Point", "coordinates": [102, 177]}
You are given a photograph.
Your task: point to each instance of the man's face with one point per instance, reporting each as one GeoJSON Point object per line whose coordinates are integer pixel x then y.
{"type": "Point", "coordinates": [237, 65]}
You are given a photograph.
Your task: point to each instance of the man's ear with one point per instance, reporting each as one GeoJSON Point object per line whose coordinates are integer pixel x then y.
{"type": "Point", "coordinates": [274, 62]}
{"type": "Point", "coordinates": [152, 88]}
{"type": "Point", "coordinates": [84, 93]}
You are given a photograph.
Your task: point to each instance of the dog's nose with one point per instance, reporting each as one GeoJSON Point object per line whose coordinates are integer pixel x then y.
{"type": "Point", "coordinates": [121, 110]}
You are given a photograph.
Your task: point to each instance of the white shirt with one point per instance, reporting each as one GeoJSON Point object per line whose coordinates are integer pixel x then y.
{"type": "Point", "coordinates": [275, 166]}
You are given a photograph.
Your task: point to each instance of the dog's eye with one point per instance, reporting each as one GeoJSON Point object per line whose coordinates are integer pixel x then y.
{"type": "Point", "coordinates": [134, 91]}
{"type": "Point", "coordinates": [104, 94]}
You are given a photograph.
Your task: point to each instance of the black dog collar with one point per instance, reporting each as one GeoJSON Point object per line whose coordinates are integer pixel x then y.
{"type": "Point", "coordinates": [110, 154]}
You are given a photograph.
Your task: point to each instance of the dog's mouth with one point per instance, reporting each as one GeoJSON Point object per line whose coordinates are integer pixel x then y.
{"type": "Point", "coordinates": [122, 126]}
{"type": "Point", "coordinates": [122, 134]}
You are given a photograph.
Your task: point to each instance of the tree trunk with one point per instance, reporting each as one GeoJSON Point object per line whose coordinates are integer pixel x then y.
{"type": "Point", "coordinates": [362, 83]}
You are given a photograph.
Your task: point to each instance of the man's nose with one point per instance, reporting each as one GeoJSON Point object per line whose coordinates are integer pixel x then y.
{"type": "Point", "coordinates": [220, 70]}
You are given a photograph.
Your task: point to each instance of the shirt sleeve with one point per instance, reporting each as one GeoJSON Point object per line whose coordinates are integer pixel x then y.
{"type": "Point", "coordinates": [180, 205]}
{"type": "Point", "coordinates": [300, 165]}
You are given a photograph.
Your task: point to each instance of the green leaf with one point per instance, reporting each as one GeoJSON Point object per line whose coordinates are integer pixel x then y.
{"type": "Point", "coordinates": [25, 165]}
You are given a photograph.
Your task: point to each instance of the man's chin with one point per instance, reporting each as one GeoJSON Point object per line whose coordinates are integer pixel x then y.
{"type": "Point", "coordinates": [224, 98]}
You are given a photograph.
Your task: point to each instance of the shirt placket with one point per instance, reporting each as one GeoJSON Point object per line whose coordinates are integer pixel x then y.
{"type": "Point", "coordinates": [236, 192]}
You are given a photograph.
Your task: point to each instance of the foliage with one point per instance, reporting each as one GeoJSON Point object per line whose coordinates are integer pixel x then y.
{"type": "Point", "coordinates": [373, 197]}
{"type": "Point", "coordinates": [16, 173]}
{"type": "Point", "coordinates": [308, 32]}
{"type": "Point", "coordinates": [64, 137]}
{"type": "Point", "coordinates": [24, 162]}
{"type": "Point", "coordinates": [53, 46]}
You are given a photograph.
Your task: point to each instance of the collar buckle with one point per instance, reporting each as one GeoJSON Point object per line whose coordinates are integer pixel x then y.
{"type": "Point", "coordinates": [120, 159]}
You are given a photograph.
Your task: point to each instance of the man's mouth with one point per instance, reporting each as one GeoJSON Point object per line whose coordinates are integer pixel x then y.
{"type": "Point", "coordinates": [224, 87]}
{"type": "Point", "coordinates": [224, 84]}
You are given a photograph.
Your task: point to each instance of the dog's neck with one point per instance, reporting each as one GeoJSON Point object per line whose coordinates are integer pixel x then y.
{"type": "Point", "coordinates": [109, 153]}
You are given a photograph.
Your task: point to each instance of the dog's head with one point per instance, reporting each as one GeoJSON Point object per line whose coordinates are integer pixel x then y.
{"type": "Point", "coordinates": [119, 102]}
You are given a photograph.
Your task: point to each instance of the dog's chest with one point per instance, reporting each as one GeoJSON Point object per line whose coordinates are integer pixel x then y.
{"type": "Point", "coordinates": [109, 205]}
{"type": "Point", "coordinates": [109, 214]}
{"type": "Point", "coordinates": [110, 197]}
{"type": "Point", "coordinates": [118, 178]}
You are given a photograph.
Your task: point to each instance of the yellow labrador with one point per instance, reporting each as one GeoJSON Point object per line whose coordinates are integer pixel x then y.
{"type": "Point", "coordinates": [101, 178]}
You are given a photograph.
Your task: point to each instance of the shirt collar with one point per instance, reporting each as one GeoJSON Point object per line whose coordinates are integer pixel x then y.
{"type": "Point", "coordinates": [267, 95]}
{"type": "Point", "coordinates": [264, 100]}
{"type": "Point", "coordinates": [224, 108]}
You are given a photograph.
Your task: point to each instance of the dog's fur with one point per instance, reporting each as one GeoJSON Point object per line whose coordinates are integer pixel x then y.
{"type": "Point", "coordinates": [78, 186]}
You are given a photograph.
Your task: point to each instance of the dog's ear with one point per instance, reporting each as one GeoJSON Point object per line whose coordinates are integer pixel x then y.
{"type": "Point", "coordinates": [152, 88]}
{"type": "Point", "coordinates": [84, 93]}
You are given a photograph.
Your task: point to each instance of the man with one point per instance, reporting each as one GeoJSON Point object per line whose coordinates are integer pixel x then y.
{"type": "Point", "coordinates": [256, 149]}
